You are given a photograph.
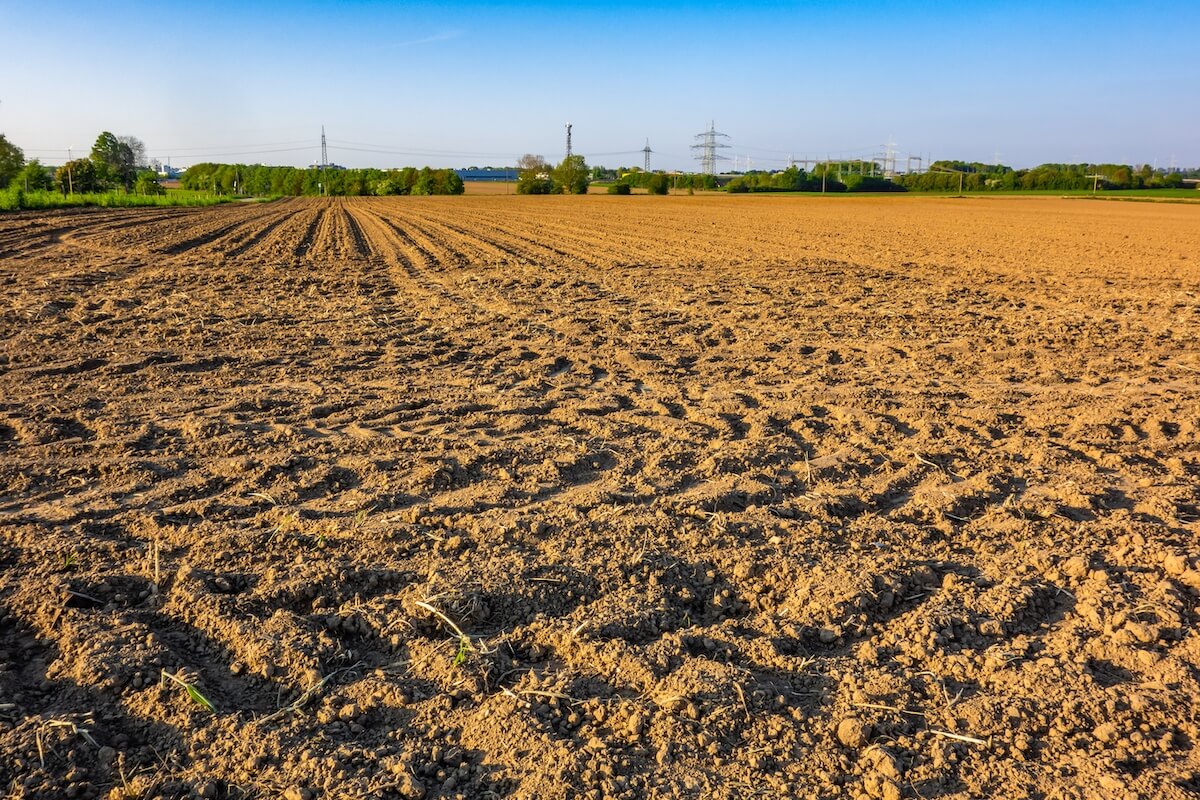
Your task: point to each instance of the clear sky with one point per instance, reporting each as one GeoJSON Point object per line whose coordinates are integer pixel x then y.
{"type": "Point", "coordinates": [450, 84]}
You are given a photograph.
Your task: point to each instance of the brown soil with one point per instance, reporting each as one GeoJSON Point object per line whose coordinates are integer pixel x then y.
{"type": "Point", "coordinates": [601, 497]}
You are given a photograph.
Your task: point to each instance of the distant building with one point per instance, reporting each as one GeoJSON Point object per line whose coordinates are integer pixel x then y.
{"type": "Point", "coordinates": [488, 174]}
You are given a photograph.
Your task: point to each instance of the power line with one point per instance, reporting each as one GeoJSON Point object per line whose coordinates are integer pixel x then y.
{"type": "Point", "coordinates": [360, 147]}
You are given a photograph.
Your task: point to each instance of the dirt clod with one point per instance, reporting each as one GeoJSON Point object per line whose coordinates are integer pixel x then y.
{"type": "Point", "coordinates": [852, 732]}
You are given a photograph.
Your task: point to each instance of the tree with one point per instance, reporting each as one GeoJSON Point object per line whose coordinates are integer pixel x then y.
{"type": "Point", "coordinates": [533, 175]}
{"type": "Point", "coordinates": [424, 184]}
{"type": "Point", "coordinates": [114, 160]}
{"type": "Point", "coordinates": [449, 182]}
{"type": "Point", "coordinates": [11, 160]}
{"type": "Point", "coordinates": [571, 176]}
{"type": "Point", "coordinates": [1172, 180]}
{"type": "Point", "coordinates": [658, 183]}
{"type": "Point", "coordinates": [147, 183]}
{"type": "Point", "coordinates": [138, 150]}
{"type": "Point", "coordinates": [34, 177]}
{"type": "Point", "coordinates": [79, 175]}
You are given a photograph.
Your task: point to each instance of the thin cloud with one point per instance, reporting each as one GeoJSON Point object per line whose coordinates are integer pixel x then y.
{"type": "Point", "coordinates": [437, 37]}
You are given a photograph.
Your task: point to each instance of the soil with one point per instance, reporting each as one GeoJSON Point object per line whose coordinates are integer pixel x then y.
{"type": "Point", "coordinates": [601, 497]}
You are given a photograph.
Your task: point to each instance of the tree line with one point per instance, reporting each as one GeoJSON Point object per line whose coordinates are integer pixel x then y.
{"type": "Point", "coordinates": [118, 164]}
{"type": "Point", "coordinates": [944, 176]}
{"type": "Point", "coordinates": [115, 163]}
{"type": "Point", "coordinates": [263, 181]}
{"type": "Point", "coordinates": [823, 178]}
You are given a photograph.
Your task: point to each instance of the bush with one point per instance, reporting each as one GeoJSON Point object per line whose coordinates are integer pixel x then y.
{"type": "Point", "coordinates": [34, 177]}
{"type": "Point", "coordinates": [619, 188]}
{"type": "Point", "coordinates": [532, 184]}
{"type": "Point", "coordinates": [658, 183]}
{"type": "Point", "coordinates": [147, 184]}
{"type": "Point", "coordinates": [868, 183]}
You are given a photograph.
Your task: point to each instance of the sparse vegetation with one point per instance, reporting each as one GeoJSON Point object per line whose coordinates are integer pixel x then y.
{"type": "Point", "coordinates": [187, 683]}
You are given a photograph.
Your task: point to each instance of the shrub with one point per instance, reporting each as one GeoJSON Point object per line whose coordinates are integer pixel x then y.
{"type": "Point", "coordinates": [147, 184]}
{"type": "Point", "coordinates": [658, 183]}
{"type": "Point", "coordinates": [619, 188]}
{"type": "Point", "coordinates": [868, 183]}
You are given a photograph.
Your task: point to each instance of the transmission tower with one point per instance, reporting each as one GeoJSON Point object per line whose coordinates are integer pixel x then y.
{"type": "Point", "coordinates": [889, 159]}
{"type": "Point", "coordinates": [647, 151]}
{"type": "Point", "coordinates": [707, 147]}
{"type": "Point", "coordinates": [324, 159]}
{"type": "Point", "coordinates": [568, 140]}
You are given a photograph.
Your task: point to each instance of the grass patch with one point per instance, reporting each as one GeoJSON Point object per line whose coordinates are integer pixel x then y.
{"type": "Point", "coordinates": [15, 199]}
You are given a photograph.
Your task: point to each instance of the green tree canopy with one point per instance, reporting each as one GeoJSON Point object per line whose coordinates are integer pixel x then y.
{"type": "Point", "coordinates": [80, 176]}
{"type": "Point", "coordinates": [33, 177]}
{"type": "Point", "coordinates": [258, 179]}
{"type": "Point", "coordinates": [571, 176]}
{"type": "Point", "coordinates": [11, 160]}
{"type": "Point", "coordinates": [533, 175]}
{"type": "Point", "coordinates": [657, 183]}
{"type": "Point", "coordinates": [115, 160]}
{"type": "Point", "coordinates": [147, 183]}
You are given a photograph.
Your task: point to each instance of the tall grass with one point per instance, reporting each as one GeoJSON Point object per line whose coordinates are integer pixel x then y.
{"type": "Point", "coordinates": [14, 199]}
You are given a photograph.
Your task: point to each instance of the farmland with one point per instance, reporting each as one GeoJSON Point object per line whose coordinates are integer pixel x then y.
{"type": "Point", "coordinates": [612, 497]}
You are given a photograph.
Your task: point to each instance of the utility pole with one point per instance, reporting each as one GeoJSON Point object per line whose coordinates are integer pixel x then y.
{"type": "Point", "coordinates": [707, 147]}
{"type": "Point", "coordinates": [568, 140]}
{"type": "Point", "coordinates": [1095, 181]}
{"type": "Point", "coordinates": [960, 176]}
{"type": "Point", "coordinates": [647, 152]}
{"type": "Point", "coordinates": [70, 179]}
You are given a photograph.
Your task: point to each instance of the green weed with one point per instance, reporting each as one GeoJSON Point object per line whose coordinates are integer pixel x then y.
{"type": "Point", "coordinates": [191, 690]}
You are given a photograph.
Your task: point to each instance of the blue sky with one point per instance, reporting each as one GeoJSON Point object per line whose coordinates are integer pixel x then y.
{"type": "Point", "coordinates": [451, 84]}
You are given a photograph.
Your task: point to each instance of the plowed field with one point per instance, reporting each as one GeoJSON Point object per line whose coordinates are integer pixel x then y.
{"type": "Point", "coordinates": [601, 497]}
